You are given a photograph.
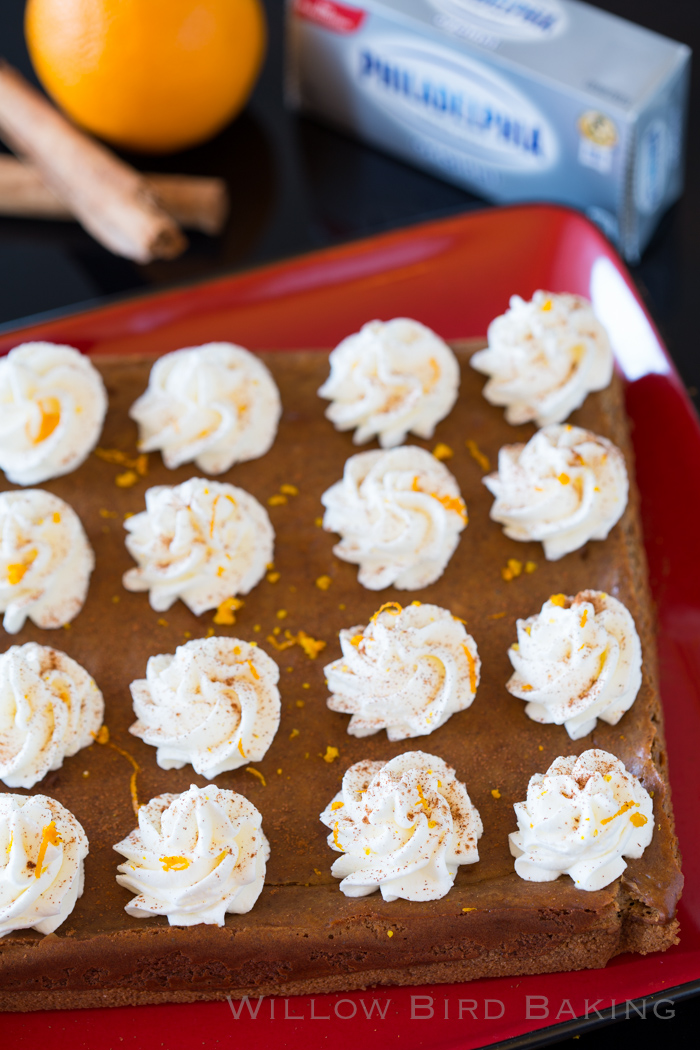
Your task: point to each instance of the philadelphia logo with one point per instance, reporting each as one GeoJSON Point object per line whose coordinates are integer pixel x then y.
{"type": "Point", "coordinates": [511, 19]}
{"type": "Point", "coordinates": [460, 103]}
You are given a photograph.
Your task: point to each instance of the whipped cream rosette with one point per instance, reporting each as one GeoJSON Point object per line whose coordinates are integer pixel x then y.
{"type": "Point", "coordinates": [195, 857]}
{"type": "Point", "coordinates": [407, 671]}
{"type": "Point", "coordinates": [202, 541]}
{"type": "Point", "coordinates": [581, 818]}
{"type": "Point", "coordinates": [578, 660]}
{"type": "Point", "coordinates": [391, 378]}
{"type": "Point", "coordinates": [45, 560]}
{"type": "Point", "coordinates": [544, 357]}
{"type": "Point", "coordinates": [214, 704]}
{"type": "Point", "coordinates": [50, 708]}
{"type": "Point", "coordinates": [215, 405]}
{"type": "Point", "coordinates": [52, 407]}
{"type": "Point", "coordinates": [42, 854]}
{"type": "Point", "coordinates": [399, 513]}
{"type": "Point", "coordinates": [564, 487]}
{"type": "Point", "coordinates": [402, 827]}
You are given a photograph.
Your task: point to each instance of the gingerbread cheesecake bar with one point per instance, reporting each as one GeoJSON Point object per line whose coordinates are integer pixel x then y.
{"type": "Point", "coordinates": [303, 934]}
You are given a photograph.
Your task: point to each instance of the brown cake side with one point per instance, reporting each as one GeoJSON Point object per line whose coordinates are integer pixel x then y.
{"type": "Point", "coordinates": [304, 935]}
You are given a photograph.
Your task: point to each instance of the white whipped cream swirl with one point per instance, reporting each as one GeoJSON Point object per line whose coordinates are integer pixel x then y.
{"type": "Point", "coordinates": [407, 671]}
{"type": "Point", "coordinates": [45, 560]}
{"type": "Point", "coordinates": [581, 818]}
{"type": "Point", "coordinates": [194, 857]}
{"type": "Point", "coordinates": [50, 708]}
{"type": "Point", "coordinates": [52, 407]}
{"type": "Point", "coordinates": [214, 703]}
{"type": "Point", "coordinates": [215, 405]}
{"type": "Point", "coordinates": [403, 827]}
{"type": "Point", "coordinates": [577, 660]}
{"type": "Point", "coordinates": [399, 513]}
{"type": "Point", "coordinates": [42, 853]}
{"type": "Point", "coordinates": [389, 378]}
{"type": "Point", "coordinates": [202, 541]}
{"type": "Point", "coordinates": [544, 357]}
{"type": "Point", "coordinates": [564, 487]}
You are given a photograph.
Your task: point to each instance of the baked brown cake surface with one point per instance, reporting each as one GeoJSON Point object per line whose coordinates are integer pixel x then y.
{"type": "Point", "coordinates": [303, 935]}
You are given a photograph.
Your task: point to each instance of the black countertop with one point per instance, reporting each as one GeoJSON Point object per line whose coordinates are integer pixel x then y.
{"type": "Point", "coordinates": [296, 186]}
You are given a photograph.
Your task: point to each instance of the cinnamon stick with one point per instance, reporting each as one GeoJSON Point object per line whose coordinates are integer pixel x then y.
{"type": "Point", "coordinates": [108, 197]}
{"type": "Point", "coordinates": [195, 201]}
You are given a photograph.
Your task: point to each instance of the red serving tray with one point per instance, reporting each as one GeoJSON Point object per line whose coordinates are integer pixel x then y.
{"type": "Point", "coordinates": [454, 275]}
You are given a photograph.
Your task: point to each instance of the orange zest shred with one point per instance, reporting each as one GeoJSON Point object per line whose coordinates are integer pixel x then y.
{"type": "Point", "coordinates": [443, 451]}
{"type": "Point", "coordinates": [289, 490]}
{"type": "Point", "coordinates": [113, 455]}
{"type": "Point", "coordinates": [558, 599]}
{"type": "Point", "coordinates": [251, 668]}
{"type": "Point", "coordinates": [337, 805]}
{"type": "Point", "coordinates": [582, 622]}
{"type": "Point", "coordinates": [213, 515]}
{"type": "Point", "coordinates": [225, 613]}
{"type": "Point", "coordinates": [323, 583]}
{"type": "Point", "coordinates": [15, 573]}
{"type": "Point", "coordinates": [240, 748]}
{"type": "Point", "coordinates": [391, 607]}
{"type": "Point", "coordinates": [435, 375]}
{"type": "Point", "coordinates": [256, 773]}
{"type": "Point", "coordinates": [48, 835]}
{"type": "Point", "coordinates": [476, 454]}
{"type": "Point", "coordinates": [278, 500]}
{"type": "Point", "coordinates": [547, 305]}
{"type": "Point", "coordinates": [472, 667]}
{"type": "Point", "coordinates": [638, 819]}
{"type": "Point", "coordinates": [174, 863]}
{"type": "Point", "coordinates": [563, 479]}
{"type": "Point", "coordinates": [281, 646]}
{"type": "Point", "coordinates": [423, 801]}
{"type": "Point", "coordinates": [454, 503]}
{"type": "Point", "coordinates": [495, 616]}
{"type": "Point", "coordinates": [102, 737]}
{"type": "Point", "coordinates": [356, 639]}
{"type": "Point", "coordinates": [50, 409]}
{"type": "Point", "coordinates": [336, 843]}
{"type": "Point", "coordinates": [623, 809]}
{"type": "Point", "coordinates": [512, 570]}
{"type": "Point", "coordinates": [526, 688]}
{"type": "Point", "coordinates": [530, 566]}
{"type": "Point", "coordinates": [495, 792]}
{"type": "Point", "coordinates": [311, 646]}
{"type": "Point", "coordinates": [137, 466]}
{"type": "Point", "coordinates": [331, 754]}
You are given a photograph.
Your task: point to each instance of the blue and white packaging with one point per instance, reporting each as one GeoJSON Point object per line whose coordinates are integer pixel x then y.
{"type": "Point", "coordinates": [517, 100]}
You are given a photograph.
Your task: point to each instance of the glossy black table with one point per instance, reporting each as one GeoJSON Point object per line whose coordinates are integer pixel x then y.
{"type": "Point", "coordinates": [295, 186]}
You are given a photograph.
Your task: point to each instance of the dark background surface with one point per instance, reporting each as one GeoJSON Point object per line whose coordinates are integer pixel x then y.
{"type": "Point", "coordinates": [296, 186]}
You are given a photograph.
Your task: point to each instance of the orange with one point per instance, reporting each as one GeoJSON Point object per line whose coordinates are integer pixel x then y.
{"type": "Point", "coordinates": [152, 75]}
